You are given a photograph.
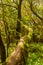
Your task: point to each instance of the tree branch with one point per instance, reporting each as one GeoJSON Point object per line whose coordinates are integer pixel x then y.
{"type": "Point", "coordinates": [9, 5]}
{"type": "Point", "coordinates": [35, 12]}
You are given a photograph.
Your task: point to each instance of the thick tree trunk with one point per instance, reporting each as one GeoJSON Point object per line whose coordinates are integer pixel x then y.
{"type": "Point", "coordinates": [3, 52]}
{"type": "Point", "coordinates": [16, 55]}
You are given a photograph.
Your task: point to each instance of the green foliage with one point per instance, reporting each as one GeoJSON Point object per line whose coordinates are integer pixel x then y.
{"type": "Point", "coordinates": [31, 26]}
{"type": "Point", "coordinates": [35, 54]}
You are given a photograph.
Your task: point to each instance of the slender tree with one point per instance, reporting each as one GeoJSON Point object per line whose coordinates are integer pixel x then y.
{"type": "Point", "coordinates": [19, 19]}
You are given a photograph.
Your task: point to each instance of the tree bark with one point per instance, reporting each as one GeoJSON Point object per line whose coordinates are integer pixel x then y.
{"type": "Point", "coordinates": [2, 50]}
{"type": "Point", "coordinates": [16, 55]}
{"type": "Point", "coordinates": [18, 21]}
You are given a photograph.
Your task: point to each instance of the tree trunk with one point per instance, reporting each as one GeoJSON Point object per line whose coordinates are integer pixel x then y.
{"type": "Point", "coordinates": [18, 21]}
{"type": "Point", "coordinates": [3, 52]}
{"type": "Point", "coordinates": [16, 55]}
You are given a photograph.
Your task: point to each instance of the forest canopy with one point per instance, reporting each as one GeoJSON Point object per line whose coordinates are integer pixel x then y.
{"type": "Point", "coordinates": [21, 32]}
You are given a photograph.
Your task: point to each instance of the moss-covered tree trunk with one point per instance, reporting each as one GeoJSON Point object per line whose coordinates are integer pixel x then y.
{"type": "Point", "coordinates": [18, 21]}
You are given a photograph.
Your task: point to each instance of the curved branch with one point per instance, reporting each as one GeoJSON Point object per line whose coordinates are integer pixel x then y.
{"type": "Point", "coordinates": [9, 5]}
{"type": "Point", "coordinates": [35, 12]}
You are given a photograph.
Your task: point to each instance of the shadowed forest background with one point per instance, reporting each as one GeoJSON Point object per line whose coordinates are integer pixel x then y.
{"type": "Point", "coordinates": [21, 32]}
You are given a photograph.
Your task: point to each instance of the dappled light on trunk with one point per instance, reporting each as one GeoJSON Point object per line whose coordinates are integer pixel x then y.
{"type": "Point", "coordinates": [16, 55]}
